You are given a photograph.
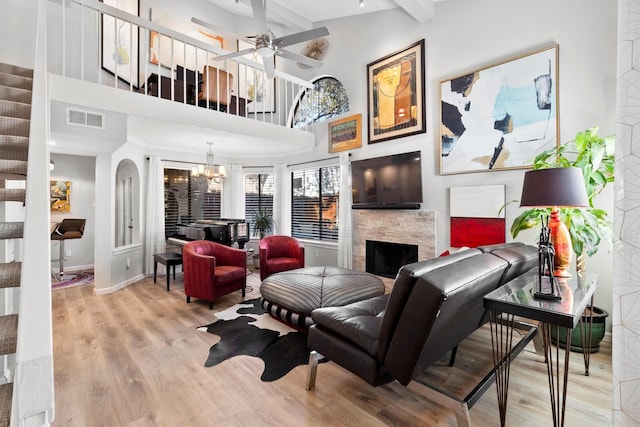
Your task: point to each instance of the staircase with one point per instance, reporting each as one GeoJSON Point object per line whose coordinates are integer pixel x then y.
{"type": "Point", "coordinates": [15, 113]}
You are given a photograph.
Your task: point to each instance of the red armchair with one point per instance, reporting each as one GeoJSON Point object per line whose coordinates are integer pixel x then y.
{"type": "Point", "coordinates": [212, 270]}
{"type": "Point", "coordinates": [280, 253]}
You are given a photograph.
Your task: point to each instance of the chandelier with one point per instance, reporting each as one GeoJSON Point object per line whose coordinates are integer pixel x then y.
{"type": "Point", "coordinates": [209, 171]}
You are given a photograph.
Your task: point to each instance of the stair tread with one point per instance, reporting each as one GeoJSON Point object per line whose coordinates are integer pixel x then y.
{"type": "Point", "coordinates": [15, 109]}
{"type": "Point", "coordinates": [8, 333]}
{"type": "Point", "coordinates": [10, 274]}
{"type": "Point", "coordinates": [17, 167]}
{"type": "Point", "coordinates": [16, 70]}
{"type": "Point", "coordinates": [14, 126]}
{"type": "Point", "coordinates": [14, 80]}
{"type": "Point", "coordinates": [6, 396]}
{"type": "Point", "coordinates": [11, 230]}
{"type": "Point", "coordinates": [14, 147]}
{"type": "Point", "coordinates": [12, 194]}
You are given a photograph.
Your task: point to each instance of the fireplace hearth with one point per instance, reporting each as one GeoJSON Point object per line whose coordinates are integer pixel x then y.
{"type": "Point", "coordinates": [386, 258]}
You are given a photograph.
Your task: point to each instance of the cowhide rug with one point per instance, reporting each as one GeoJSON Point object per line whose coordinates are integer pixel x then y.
{"type": "Point", "coordinates": [246, 329]}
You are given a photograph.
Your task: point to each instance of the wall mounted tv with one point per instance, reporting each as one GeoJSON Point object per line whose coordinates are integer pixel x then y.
{"type": "Point", "coordinates": [388, 182]}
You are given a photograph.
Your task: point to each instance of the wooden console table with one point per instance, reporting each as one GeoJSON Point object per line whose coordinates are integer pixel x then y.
{"type": "Point", "coordinates": [516, 299]}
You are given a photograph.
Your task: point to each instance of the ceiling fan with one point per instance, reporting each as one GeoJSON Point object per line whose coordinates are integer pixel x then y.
{"type": "Point", "coordinates": [268, 46]}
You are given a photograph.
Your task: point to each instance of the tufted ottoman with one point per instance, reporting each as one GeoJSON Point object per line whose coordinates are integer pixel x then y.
{"type": "Point", "coordinates": [292, 295]}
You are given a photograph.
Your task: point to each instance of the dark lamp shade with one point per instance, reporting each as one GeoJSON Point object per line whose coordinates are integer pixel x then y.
{"type": "Point", "coordinates": [562, 187]}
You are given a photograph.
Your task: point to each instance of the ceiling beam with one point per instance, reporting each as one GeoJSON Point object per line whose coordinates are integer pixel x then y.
{"type": "Point", "coordinates": [420, 10]}
{"type": "Point", "coordinates": [285, 16]}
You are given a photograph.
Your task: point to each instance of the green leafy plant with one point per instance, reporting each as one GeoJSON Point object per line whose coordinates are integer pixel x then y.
{"type": "Point", "coordinates": [262, 222]}
{"type": "Point", "coordinates": [595, 157]}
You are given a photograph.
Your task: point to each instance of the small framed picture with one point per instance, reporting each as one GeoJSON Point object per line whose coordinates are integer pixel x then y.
{"type": "Point", "coordinates": [345, 134]}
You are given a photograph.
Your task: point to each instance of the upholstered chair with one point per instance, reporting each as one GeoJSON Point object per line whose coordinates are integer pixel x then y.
{"type": "Point", "coordinates": [215, 88]}
{"type": "Point", "coordinates": [280, 253]}
{"type": "Point", "coordinates": [212, 270]}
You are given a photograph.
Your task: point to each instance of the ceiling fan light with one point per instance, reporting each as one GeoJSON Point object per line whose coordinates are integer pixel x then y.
{"type": "Point", "coordinates": [361, 3]}
{"type": "Point", "coordinates": [265, 52]}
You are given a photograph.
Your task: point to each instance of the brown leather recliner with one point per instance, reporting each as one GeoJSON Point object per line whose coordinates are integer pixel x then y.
{"type": "Point", "coordinates": [280, 253]}
{"type": "Point", "coordinates": [433, 306]}
{"type": "Point", "coordinates": [212, 270]}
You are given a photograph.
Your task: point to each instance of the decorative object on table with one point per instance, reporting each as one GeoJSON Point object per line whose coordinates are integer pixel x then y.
{"type": "Point", "coordinates": [476, 217]}
{"type": "Point", "coordinates": [345, 134]}
{"type": "Point", "coordinates": [396, 91]}
{"type": "Point", "coordinates": [499, 117]}
{"type": "Point", "coordinates": [120, 43]}
{"type": "Point", "coordinates": [246, 329]}
{"type": "Point", "coordinates": [547, 286]}
{"type": "Point", "coordinates": [587, 226]}
{"type": "Point", "coordinates": [60, 193]}
{"type": "Point", "coordinates": [555, 188]}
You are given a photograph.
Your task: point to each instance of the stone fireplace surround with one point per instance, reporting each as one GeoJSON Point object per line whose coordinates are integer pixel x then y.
{"type": "Point", "coordinates": [415, 227]}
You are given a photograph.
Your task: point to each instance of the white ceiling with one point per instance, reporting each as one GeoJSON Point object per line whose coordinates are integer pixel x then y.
{"type": "Point", "coordinates": [304, 14]}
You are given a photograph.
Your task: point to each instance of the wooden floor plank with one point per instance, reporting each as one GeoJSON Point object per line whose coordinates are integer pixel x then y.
{"type": "Point", "coordinates": [135, 358]}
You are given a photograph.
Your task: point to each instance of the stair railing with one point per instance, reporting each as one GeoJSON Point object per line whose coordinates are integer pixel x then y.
{"type": "Point", "coordinates": [98, 43]}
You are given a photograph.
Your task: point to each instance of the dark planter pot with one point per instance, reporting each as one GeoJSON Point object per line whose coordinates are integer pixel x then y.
{"type": "Point", "coordinates": [597, 332]}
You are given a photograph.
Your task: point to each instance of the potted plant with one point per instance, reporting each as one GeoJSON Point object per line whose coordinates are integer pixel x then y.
{"type": "Point", "coordinates": [587, 226]}
{"type": "Point", "coordinates": [262, 224]}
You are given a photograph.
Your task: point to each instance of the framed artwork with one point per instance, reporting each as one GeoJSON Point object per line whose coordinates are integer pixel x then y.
{"type": "Point", "coordinates": [345, 134]}
{"type": "Point", "coordinates": [500, 117]}
{"type": "Point", "coordinates": [476, 215]}
{"type": "Point", "coordinates": [253, 84]}
{"type": "Point", "coordinates": [120, 43]}
{"type": "Point", "coordinates": [395, 88]}
{"type": "Point", "coordinates": [59, 196]}
{"type": "Point", "coordinates": [162, 51]}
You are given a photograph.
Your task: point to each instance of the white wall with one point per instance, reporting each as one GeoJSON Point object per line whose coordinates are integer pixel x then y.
{"type": "Point", "coordinates": [456, 43]}
{"type": "Point", "coordinates": [80, 171]}
{"type": "Point", "coordinates": [18, 35]}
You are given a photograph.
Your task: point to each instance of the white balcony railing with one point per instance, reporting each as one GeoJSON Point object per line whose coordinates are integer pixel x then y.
{"type": "Point", "coordinates": [94, 42]}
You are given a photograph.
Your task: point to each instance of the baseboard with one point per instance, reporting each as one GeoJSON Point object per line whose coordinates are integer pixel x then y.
{"type": "Point", "coordinates": [117, 286]}
{"type": "Point", "coordinates": [74, 268]}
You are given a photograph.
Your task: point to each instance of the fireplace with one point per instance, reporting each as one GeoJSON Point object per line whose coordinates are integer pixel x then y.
{"type": "Point", "coordinates": [386, 258]}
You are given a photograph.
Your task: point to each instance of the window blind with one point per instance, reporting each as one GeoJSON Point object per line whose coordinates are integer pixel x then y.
{"type": "Point", "coordinates": [314, 203]}
{"type": "Point", "coordinates": [258, 195]}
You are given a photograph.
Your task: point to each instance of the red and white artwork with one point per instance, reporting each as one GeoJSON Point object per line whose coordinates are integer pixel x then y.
{"type": "Point", "coordinates": [476, 218]}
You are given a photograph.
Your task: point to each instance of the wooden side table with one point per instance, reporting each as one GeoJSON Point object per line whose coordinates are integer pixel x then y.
{"type": "Point", "coordinates": [168, 259]}
{"type": "Point", "coordinates": [516, 299]}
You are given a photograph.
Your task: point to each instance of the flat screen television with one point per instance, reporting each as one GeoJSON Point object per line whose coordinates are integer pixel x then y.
{"type": "Point", "coordinates": [388, 182]}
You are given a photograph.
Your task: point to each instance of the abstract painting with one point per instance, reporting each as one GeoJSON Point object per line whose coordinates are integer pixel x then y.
{"type": "Point", "coordinates": [395, 101]}
{"type": "Point", "coordinates": [476, 215]}
{"type": "Point", "coordinates": [59, 198]}
{"type": "Point", "coordinates": [500, 117]}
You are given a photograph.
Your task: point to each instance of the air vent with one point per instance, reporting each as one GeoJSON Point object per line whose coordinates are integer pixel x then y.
{"type": "Point", "coordinates": [85, 118]}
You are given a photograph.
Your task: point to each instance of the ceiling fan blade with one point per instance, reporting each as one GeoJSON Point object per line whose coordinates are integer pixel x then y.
{"type": "Point", "coordinates": [221, 30]}
{"type": "Point", "coordinates": [269, 67]}
{"type": "Point", "coordinates": [303, 36]}
{"type": "Point", "coordinates": [299, 58]}
{"type": "Point", "coordinates": [233, 54]}
{"type": "Point", "coordinates": [259, 14]}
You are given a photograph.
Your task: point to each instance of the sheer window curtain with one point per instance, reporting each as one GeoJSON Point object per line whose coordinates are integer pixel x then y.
{"type": "Point", "coordinates": [345, 243]}
{"type": "Point", "coordinates": [281, 184]}
{"type": "Point", "coordinates": [154, 238]}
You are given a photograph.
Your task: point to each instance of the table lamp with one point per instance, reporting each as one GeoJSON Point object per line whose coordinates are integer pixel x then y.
{"type": "Point", "coordinates": [554, 188]}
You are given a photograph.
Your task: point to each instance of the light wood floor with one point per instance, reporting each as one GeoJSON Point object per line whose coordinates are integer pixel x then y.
{"type": "Point", "coordinates": [135, 358]}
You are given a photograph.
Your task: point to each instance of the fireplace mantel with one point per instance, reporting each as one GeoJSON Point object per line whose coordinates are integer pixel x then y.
{"type": "Point", "coordinates": [394, 226]}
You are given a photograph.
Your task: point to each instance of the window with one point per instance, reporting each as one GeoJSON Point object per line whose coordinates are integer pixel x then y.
{"type": "Point", "coordinates": [328, 99]}
{"type": "Point", "coordinates": [258, 195]}
{"type": "Point", "coordinates": [314, 201]}
{"type": "Point", "coordinates": [188, 199]}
